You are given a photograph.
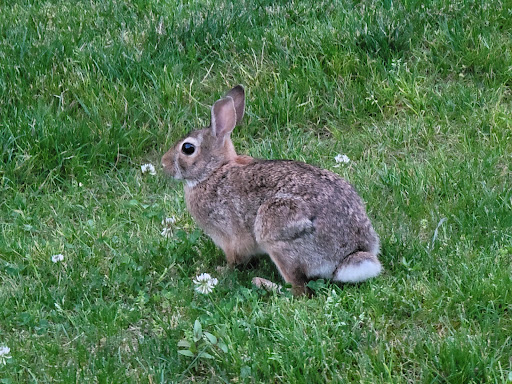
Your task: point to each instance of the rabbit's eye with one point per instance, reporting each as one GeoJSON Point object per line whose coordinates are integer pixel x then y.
{"type": "Point", "coordinates": [188, 148]}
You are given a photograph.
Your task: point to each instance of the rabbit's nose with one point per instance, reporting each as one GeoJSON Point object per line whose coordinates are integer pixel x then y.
{"type": "Point", "coordinates": [166, 163]}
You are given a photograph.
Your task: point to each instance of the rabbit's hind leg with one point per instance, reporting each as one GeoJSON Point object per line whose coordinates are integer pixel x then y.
{"type": "Point", "coordinates": [292, 274]}
{"type": "Point", "coordinates": [358, 266]}
{"type": "Point", "coordinates": [283, 229]}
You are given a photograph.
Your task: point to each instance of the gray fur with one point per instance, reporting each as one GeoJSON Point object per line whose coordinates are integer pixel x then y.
{"type": "Point", "coordinates": [310, 221]}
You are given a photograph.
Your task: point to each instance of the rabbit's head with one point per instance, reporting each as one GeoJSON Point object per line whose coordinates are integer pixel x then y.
{"type": "Point", "coordinates": [194, 157]}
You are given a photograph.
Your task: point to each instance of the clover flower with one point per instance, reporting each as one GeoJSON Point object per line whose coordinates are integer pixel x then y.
{"type": "Point", "coordinates": [167, 223]}
{"type": "Point", "coordinates": [148, 168]}
{"type": "Point", "coordinates": [57, 258]}
{"type": "Point", "coordinates": [4, 354]}
{"type": "Point", "coordinates": [340, 158]}
{"type": "Point", "coordinates": [205, 283]}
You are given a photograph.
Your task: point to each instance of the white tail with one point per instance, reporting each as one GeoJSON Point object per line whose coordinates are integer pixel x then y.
{"type": "Point", "coordinates": [354, 273]}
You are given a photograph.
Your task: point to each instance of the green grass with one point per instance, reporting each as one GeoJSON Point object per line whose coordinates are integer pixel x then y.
{"type": "Point", "coordinates": [417, 94]}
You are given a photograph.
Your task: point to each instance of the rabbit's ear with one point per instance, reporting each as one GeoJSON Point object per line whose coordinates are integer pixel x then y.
{"type": "Point", "coordinates": [238, 96]}
{"type": "Point", "coordinates": [223, 117]}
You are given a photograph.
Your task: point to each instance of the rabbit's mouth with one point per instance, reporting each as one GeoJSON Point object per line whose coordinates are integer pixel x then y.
{"type": "Point", "coordinates": [169, 171]}
{"type": "Point", "coordinates": [173, 172]}
{"type": "Point", "coordinates": [170, 167]}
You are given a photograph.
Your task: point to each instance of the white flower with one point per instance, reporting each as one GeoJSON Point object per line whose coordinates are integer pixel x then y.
{"type": "Point", "coordinates": [340, 158]}
{"type": "Point", "coordinates": [57, 258]}
{"type": "Point", "coordinates": [166, 232]}
{"type": "Point", "coordinates": [4, 354]}
{"type": "Point", "coordinates": [205, 283]}
{"type": "Point", "coordinates": [168, 221]}
{"type": "Point", "coordinates": [145, 168]}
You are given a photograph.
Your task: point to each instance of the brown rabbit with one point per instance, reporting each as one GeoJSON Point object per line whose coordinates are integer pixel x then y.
{"type": "Point", "coordinates": [310, 221]}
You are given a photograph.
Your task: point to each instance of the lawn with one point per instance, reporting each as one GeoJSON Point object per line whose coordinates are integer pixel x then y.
{"type": "Point", "coordinates": [417, 94]}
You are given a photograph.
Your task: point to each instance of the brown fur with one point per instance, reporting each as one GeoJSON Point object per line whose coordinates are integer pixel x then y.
{"type": "Point", "coordinates": [310, 221]}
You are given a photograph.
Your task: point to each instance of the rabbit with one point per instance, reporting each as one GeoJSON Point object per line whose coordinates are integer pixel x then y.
{"type": "Point", "coordinates": [310, 221]}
